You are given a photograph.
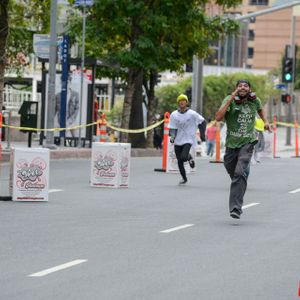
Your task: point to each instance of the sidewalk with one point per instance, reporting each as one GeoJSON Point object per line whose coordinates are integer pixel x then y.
{"type": "Point", "coordinates": [282, 150]}
{"type": "Point", "coordinates": [72, 152]}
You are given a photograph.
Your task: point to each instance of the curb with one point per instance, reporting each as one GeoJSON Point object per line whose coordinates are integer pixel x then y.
{"type": "Point", "coordinates": [74, 153]}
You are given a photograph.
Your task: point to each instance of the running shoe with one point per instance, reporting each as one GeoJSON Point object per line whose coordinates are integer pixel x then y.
{"type": "Point", "coordinates": [235, 214]}
{"type": "Point", "coordinates": [183, 181]}
{"type": "Point", "coordinates": [192, 163]}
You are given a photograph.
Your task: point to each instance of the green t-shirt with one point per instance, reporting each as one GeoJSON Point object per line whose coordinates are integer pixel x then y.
{"type": "Point", "coordinates": [240, 121]}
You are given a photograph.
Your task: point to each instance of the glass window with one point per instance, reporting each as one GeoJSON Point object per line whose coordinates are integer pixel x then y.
{"type": "Point", "coordinates": [250, 52]}
{"type": "Point", "coordinates": [251, 35]}
{"type": "Point", "coordinates": [258, 2]}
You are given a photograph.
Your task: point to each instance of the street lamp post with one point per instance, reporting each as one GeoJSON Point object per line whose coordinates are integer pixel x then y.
{"type": "Point", "coordinates": [52, 75]}
{"type": "Point", "coordinates": [82, 69]}
{"type": "Point", "coordinates": [84, 4]}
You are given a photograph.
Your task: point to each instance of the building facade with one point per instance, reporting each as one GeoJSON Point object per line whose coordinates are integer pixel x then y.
{"type": "Point", "coordinates": [261, 41]}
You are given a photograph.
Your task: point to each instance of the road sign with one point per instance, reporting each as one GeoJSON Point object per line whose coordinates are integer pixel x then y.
{"type": "Point", "coordinates": [41, 43]}
{"type": "Point", "coordinates": [281, 86]}
{"type": "Point", "coordinates": [84, 2]}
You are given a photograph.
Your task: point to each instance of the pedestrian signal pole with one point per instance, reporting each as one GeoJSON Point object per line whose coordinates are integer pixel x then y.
{"type": "Point", "coordinates": [289, 77]}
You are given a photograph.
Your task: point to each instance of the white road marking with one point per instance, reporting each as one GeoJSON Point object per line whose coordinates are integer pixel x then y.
{"type": "Point", "coordinates": [55, 190]}
{"type": "Point", "coordinates": [294, 191]}
{"type": "Point", "coordinates": [58, 268]}
{"type": "Point", "coordinates": [249, 205]}
{"type": "Point", "coordinates": [176, 228]}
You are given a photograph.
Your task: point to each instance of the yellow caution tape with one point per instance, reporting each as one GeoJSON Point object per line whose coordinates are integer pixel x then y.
{"type": "Point", "coordinates": [84, 126]}
{"type": "Point", "coordinates": [48, 129]}
{"type": "Point", "coordinates": [285, 124]}
{"type": "Point", "coordinates": [135, 130]}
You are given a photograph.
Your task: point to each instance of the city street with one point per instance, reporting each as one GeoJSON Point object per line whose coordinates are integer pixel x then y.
{"type": "Point", "coordinates": [156, 239]}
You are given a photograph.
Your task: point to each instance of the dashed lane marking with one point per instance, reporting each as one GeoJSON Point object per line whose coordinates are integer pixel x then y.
{"type": "Point", "coordinates": [55, 190]}
{"type": "Point", "coordinates": [176, 228]}
{"type": "Point", "coordinates": [294, 191]}
{"type": "Point", "coordinates": [58, 268]}
{"type": "Point", "coordinates": [250, 205]}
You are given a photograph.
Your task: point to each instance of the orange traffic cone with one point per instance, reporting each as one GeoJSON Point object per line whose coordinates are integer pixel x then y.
{"type": "Point", "coordinates": [218, 147]}
{"type": "Point", "coordinates": [165, 143]}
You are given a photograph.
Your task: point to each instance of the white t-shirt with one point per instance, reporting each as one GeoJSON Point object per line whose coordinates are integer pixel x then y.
{"type": "Point", "coordinates": [186, 124]}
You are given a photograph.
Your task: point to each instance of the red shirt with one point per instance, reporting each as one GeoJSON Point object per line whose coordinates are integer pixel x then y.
{"type": "Point", "coordinates": [211, 133]}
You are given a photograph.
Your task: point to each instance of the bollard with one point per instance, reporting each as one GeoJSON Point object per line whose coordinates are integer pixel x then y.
{"type": "Point", "coordinates": [2, 198]}
{"type": "Point", "coordinates": [1, 119]}
{"type": "Point", "coordinates": [103, 132]}
{"type": "Point", "coordinates": [274, 137]}
{"type": "Point", "coordinates": [165, 143]}
{"type": "Point", "coordinates": [218, 146]}
{"type": "Point", "coordinates": [296, 140]}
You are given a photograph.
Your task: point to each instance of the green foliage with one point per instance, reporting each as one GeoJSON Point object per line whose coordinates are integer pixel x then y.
{"type": "Point", "coordinates": [150, 35]}
{"type": "Point", "coordinates": [168, 94]}
{"type": "Point", "coordinates": [216, 88]}
{"type": "Point", "coordinates": [115, 115]}
{"type": "Point", "coordinates": [25, 19]}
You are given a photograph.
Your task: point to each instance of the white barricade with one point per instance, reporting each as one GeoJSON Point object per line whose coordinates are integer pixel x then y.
{"type": "Point", "coordinates": [110, 165]}
{"type": "Point", "coordinates": [172, 165]}
{"type": "Point", "coordinates": [268, 145]}
{"type": "Point", "coordinates": [29, 175]}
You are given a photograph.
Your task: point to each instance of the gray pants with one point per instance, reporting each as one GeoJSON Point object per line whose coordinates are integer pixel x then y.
{"type": "Point", "coordinates": [237, 164]}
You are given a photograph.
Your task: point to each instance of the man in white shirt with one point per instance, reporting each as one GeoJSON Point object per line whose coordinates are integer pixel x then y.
{"type": "Point", "coordinates": [183, 126]}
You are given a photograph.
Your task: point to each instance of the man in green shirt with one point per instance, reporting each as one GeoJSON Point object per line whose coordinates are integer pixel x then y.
{"type": "Point", "coordinates": [239, 110]}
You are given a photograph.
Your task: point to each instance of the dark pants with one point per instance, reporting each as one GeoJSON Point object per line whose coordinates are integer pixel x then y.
{"type": "Point", "coordinates": [237, 164]}
{"type": "Point", "coordinates": [182, 154]}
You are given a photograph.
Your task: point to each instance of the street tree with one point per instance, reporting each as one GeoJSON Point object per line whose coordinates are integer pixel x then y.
{"type": "Point", "coordinates": [19, 20]}
{"type": "Point", "coordinates": [147, 37]}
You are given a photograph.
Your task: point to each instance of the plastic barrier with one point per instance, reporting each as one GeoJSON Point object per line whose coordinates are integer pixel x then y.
{"type": "Point", "coordinates": [274, 137]}
{"type": "Point", "coordinates": [218, 147]}
{"type": "Point", "coordinates": [1, 119]}
{"type": "Point", "coordinates": [165, 143]}
{"type": "Point", "coordinates": [172, 164]}
{"type": "Point", "coordinates": [110, 165]}
{"type": "Point", "coordinates": [98, 130]}
{"type": "Point", "coordinates": [103, 131]}
{"type": "Point", "coordinates": [29, 176]}
{"type": "Point", "coordinates": [296, 140]}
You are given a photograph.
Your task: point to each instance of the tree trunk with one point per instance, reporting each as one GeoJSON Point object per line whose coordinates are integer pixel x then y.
{"type": "Point", "coordinates": [129, 91]}
{"type": "Point", "coordinates": [3, 40]}
{"type": "Point", "coordinates": [137, 117]}
{"type": "Point", "coordinates": [150, 107]}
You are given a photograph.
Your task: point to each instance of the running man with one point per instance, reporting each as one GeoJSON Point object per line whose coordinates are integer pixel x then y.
{"type": "Point", "coordinates": [239, 110]}
{"type": "Point", "coordinates": [183, 126]}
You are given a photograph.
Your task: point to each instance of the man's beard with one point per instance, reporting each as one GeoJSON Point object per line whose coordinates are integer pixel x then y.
{"type": "Point", "coordinates": [244, 96]}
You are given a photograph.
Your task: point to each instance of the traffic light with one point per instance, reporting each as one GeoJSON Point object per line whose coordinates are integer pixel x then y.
{"type": "Point", "coordinates": [189, 68]}
{"type": "Point", "coordinates": [287, 70]}
{"type": "Point", "coordinates": [157, 79]}
{"type": "Point", "coordinates": [286, 98]}
{"type": "Point", "coordinates": [188, 92]}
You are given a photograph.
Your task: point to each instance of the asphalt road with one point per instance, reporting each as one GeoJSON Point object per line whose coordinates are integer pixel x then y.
{"type": "Point", "coordinates": [155, 240]}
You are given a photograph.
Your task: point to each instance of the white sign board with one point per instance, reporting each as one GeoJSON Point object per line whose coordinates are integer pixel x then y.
{"type": "Point", "coordinates": [84, 2]}
{"type": "Point", "coordinates": [41, 44]}
{"type": "Point", "coordinates": [268, 145]}
{"type": "Point", "coordinates": [172, 164]}
{"type": "Point", "coordinates": [110, 165]}
{"type": "Point", "coordinates": [30, 174]}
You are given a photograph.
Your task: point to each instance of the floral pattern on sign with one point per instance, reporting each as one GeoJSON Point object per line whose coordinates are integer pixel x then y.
{"type": "Point", "coordinates": [30, 175]}
{"type": "Point", "coordinates": [104, 164]}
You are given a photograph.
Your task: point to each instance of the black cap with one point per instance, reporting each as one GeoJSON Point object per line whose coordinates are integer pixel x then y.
{"type": "Point", "coordinates": [243, 81]}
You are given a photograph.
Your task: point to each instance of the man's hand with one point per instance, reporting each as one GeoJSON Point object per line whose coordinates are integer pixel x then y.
{"type": "Point", "coordinates": [267, 127]}
{"type": "Point", "coordinates": [235, 92]}
{"type": "Point", "coordinates": [172, 139]}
